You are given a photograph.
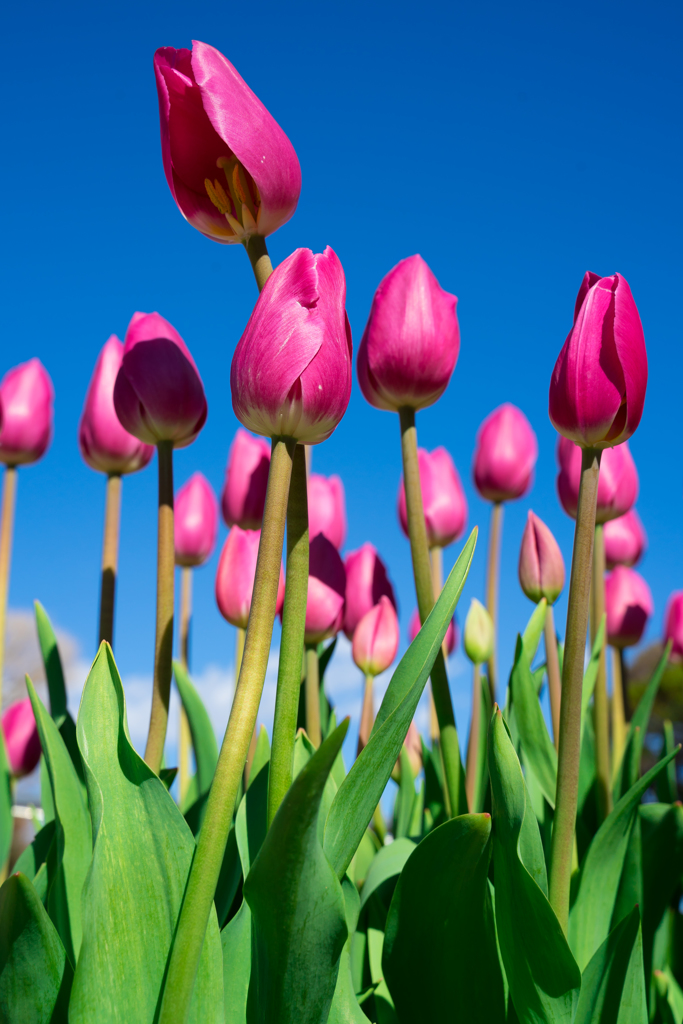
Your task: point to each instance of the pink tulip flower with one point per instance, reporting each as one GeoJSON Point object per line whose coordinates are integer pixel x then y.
{"type": "Point", "coordinates": [366, 583]}
{"type": "Point", "coordinates": [413, 748]}
{"type": "Point", "coordinates": [26, 396]}
{"type": "Point", "coordinates": [673, 628]}
{"type": "Point", "coordinates": [505, 455]}
{"type": "Point", "coordinates": [230, 167]}
{"type": "Point", "coordinates": [105, 445]}
{"type": "Point", "coordinates": [443, 499]}
{"type": "Point", "coordinates": [625, 540]}
{"type": "Point", "coordinates": [235, 576]}
{"type": "Point", "coordinates": [617, 484]}
{"type": "Point", "coordinates": [597, 390]}
{"type": "Point", "coordinates": [628, 603]}
{"type": "Point", "coordinates": [326, 591]}
{"type": "Point", "coordinates": [327, 508]}
{"type": "Point", "coordinates": [451, 638]}
{"type": "Point", "coordinates": [541, 566]}
{"type": "Point", "coordinates": [375, 640]}
{"type": "Point", "coordinates": [291, 371]}
{"type": "Point", "coordinates": [246, 481]}
{"type": "Point", "coordinates": [21, 738]}
{"type": "Point", "coordinates": [411, 340]}
{"type": "Point", "coordinates": [158, 394]}
{"type": "Point", "coordinates": [195, 522]}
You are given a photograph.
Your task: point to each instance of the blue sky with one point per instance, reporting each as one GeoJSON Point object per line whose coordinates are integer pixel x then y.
{"type": "Point", "coordinates": [513, 146]}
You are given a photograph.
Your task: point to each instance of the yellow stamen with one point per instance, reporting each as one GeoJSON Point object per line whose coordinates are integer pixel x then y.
{"type": "Point", "coordinates": [216, 194]}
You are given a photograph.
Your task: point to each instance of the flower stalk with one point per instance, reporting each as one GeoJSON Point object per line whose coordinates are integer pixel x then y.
{"type": "Point", "coordinates": [473, 742]}
{"type": "Point", "coordinates": [492, 588]}
{"type": "Point", "coordinates": [436, 556]}
{"type": "Point", "coordinates": [257, 251]}
{"type": "Point", "coordinates": [184, 737]}
{"type": "Point", "coordinates": [110, 557]}
{"type": "Point", "coordinates": [600, 702]}
{"type": "Point", "coordinates": [552, 662]}
{"type": "Point", "coordinates": [313, 696]}
{"type": "Point", "coordinates": [618, 708]}
{"type": "Point", "coordinates": [9, 500]}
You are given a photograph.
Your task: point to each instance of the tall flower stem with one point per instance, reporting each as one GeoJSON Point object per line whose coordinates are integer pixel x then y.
{"type": "Point", "coordinates": [313, 696]}
{"type": "Point", "coordinates": [552, 663]}
{"type": "Point", "coordinates": [367, 715]}
{"type": "Point", "coordinates": [110, 558]}
{"type": "Point", "coordinates": [567, 791]}
{"type": "Point", "coordinates": [9, 500]}
{"type": "Point", "coordinates": [492, 588]}
{"type": "Point", "coordinates": [292, 639]}
{"type": "Point", "coordinates": [184, 737]}
{"type": "Point", "coordinates": [618, 708]}
{"type": "Point", "coordinates": [600, 702]}
{"type": "Point", "coordinates": [257, 252]}
{"type": "Point", "coordinates": [436, 556]}
{"type": "Point", "coordinates": [450, 749]}
{"type": "Point", "coordinates": [163, 644]}
{"type": "Point", "coordinates": [473, 741]}
{"type": "Point", "coordinates": [201, 884]}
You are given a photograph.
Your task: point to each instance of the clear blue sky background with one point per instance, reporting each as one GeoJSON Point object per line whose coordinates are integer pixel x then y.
{"type": "Point", "coordinates": [513, 146]}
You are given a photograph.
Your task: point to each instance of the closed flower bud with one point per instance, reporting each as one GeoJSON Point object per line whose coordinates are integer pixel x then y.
{"type": "Point", "coordinates": [443, 499]}
{"type": "Point", "coordinates": [235, 576]}
{"type": "Point", "coordinates": [505, 455]}
{"type": "Point", "coordinates": [22, 741]}
{"type": "Point", "coordinates": [628, 603]}
{"type": "Point", "coordinates": [478, 633]}
{"type": "Point", "coordinates": [26, 397]}
{"type": "Point", "coordinates": [617, 484]}
{"type": "Point", "coordinates": [413, 748]}
{"type": "Point", "coordinates": [291, 371]}
{"type": "Point", "coordinates": [411, 340]}
{"type": "Point", "coordinates": [326, 591]}
{"type": "Point", "coordinates": [673, 624]}
{"type": "Point", "coordinates": [375, 640]}
{"type": "Point", "coordinates": [366, 583]}
{"type": "Point", "coordinates": [625, 540]}
{"type": "Point", "coordinates": [450, 640]}
{"type": "Point", "coordinates": [327, 508]}
{"type": "Point", "coordinates": [246, 481]}
{"type": "Point", "coordinates": [195, 522]}
{"type": "Point", "coordinates": [541, 566]}
{"type": "Point", "coordinates": [597, 390]}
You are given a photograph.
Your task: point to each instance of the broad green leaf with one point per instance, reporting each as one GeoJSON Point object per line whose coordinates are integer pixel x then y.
{"type": "Point", "coordinates": [261, 754]}
{"type": "Point", "coordinates": [36, 854]}
{"type": "Point", "coordinates": [388, 863]}
{"type": "Point", "coordinates": [440, 958]}
{"type": "Point", "coordinates": [236, 945]}
{"type": "Point", "coordinates": [662, 857]}
{"type": "Point", "coordinates": [602, 983]}
{"type": "Point", "coordinates": [345, 1008]}
{"type": "Point", "coordinates": [6, 820]}
{"type": "Point", "coordinates": [297, 905]}
{"type": "Point", "coordinates": [363, 858]}
{"type": "Point", "coordinates": [669, 997]}
{"type": "Point", "coordinates": [35, 973]}
{"type": "Point", "coordinates": [531, 637]}
{"type": "Point", "coordinates": [415, 827]}
{"type": "Point", "coordinates": [591, 674]}
{"type": "Point", "coordinates": [628, 772]}
{"type": "Point", "coordinates": [482, 778]}
{"type": "Point", "coordinates": [384, 1004]}
{"type": "Point", "coordinates": [536, 743]}
{"type": "Point", "coordinates": [56, 686]}
{"type": "Point", "coordinates": [667, 786]}
{"type": "Point", "coordinates": [141, 859]}
{"type": "Point", "coordinates": [228, 880]}
{"type": "Point", "coordinates": [251, 821]}
{"type": "Point", "coordinates": [633, 1008]}
{"type": "Point", "coordinates": [362, 788]}
{"type": "Point", "coordinates": [201, 730]}
{"type": "Point", "coordinates": [405, 798]}
{"type": "Point", "coordinates": [630, 892]}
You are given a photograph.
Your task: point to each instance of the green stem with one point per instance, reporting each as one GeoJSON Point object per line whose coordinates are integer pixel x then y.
{"type": "Point", "coordinates": [184, 737]}
{"type": "Point", "coordinates": [567, 792]}
{"type": "Point", "coordinates": [367, 715]}
{"type": "Point", "coordinates": [208, 858]}
{"type": "Point", "coordinates": [313, 696]}
{"type": "Point", "coordinates": [618, 709]}
{"type": "Point", "coordinates": [600, 702]}
{"type": "Point", "coordinates": [9, 500]}
{"type": "Point", "coordinates": [492, 587]}
{"type": "Point", "coordinates": [473, 742]}
{"type": "Point", "coordinates": [110, 558]}
{"type": "Point", "coordinates": [552, 662]}
{"type": "Point", "coordinates": [292, 639]}
{"type": "Point", "coordinates": [450, 748]}
{"type": "Point", "coordinates": [257, 251]}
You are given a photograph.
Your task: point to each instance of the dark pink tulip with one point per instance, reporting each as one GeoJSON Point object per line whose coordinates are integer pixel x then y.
{"type": "Point", "coordinates": [246, 481]}
{"type": "Point", "coordinates": [230, 167]}
{"type": "Point", "coordinates": [291, 371]}
{"type": "Point", "coordinates": [105, 444]}
{"type": "Point", "coordinates": [617, 485]}
{"type": "Point", "coordinates": [541, 566]}
{"type": "Point", "coordinates": [673, 629]}
{"type": "Point", "coordinates": [411, 340]}
{"type": "Point", "coordinates": [235, 576]}
{"type": "Point", "coordinates": [597, 390]}
{"type": "Point", "coordinates": [366, 583]}
{"type": "Point", "coordinates": [26, 395]}
{"type": "Point", "coordinates": [445, 505]}
{"type": "Point", "coordinates": [625, 540]}
{"type": "Point", "coordinates": [451, 639]}
{"type": "Point", "coordinates": [195, 522]}
{"type": "Point", "coordinates": [505, 455]}
{"type": "Point", "coordinates": [21, 738]}
{"type": "Point", "coordinates": [327, 508]}
{"type": "Point", "coordinates": [326, 590]}
{"type": "Point", "coordinates": [375, 641]}
{"type": "Point", "coordinates": [628, 603]}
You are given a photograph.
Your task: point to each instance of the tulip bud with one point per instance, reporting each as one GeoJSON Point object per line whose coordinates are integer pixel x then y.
{"type": "Point", "coordinates": [291, 371]}
{"type": "Point", "coordinates": [158, 394]}
{"type": "Point", "coordinates": [450, 640]}
{"type": "Point", "coordinates": [673, 628]}
{"type": "Point", "coordinates": [478, 634]}
{"type": "Point", "coordinates": [21, 738]}
{"type": "Point", "coordinates": [327, 508]}
{"type": "Point", "coordinates": [597, 390]}
{"type": "Point", "coordinates": [375, 640]}
{"type": "Point", "coordinates": [617, 484]}
{"type": "Point", "coordinates": [443, 498]}
{"type": "Point", "coordinates": [366, 583]}
{"type": "Point", "coordinates": [413, 748]}
{"type": "Point", "coordinates": [326, 590]}
{"type": "Point", "coordinates": [541, 566]}
{"type": "Point", "coordinates": [411, 340]}
{"type": "Point", "coordinates": [235, 576]}
{"type": "Point", "coordinates": [628, 603]}
{"type": "Point", "coordinates": [26, 396]}
{"type": "Point", "coordinates": [505, 455]}
{"type": "Point", "coordinates": [105, 445]}
{"type": "Point", "coordinates": [246, 481]}
{"type": "Point", "coordinates": [625, 539]}
{"type": "Point", "coordinates": [230, 168]}
{"type": "Point", "coordinates": [195, 522]}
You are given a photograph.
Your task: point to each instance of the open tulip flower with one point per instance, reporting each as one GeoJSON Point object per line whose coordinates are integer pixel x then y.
{"type": "Point", "coordinates": [443, 499]}
{"type": "Point", "coordinates": [366, 583]}
{"type": "Point", "coordinates": [617, 484]}
{"type": "Point", "coordinates": [505, 455]}
{"type": "Point", "coordinates": [235, 576]}
{"type": "Point", "coordinates": [195, 521]}
{"type": "Point", "coordinates": [327, 508]}
{"type": "Point", "coordinates": [625, 540]}
{"type": "Point", "coordinates": [628, 603]}
{"type": "Point", "coordinates": [26, 395]}
{"type": "Point", "coordinates": [246, 479]}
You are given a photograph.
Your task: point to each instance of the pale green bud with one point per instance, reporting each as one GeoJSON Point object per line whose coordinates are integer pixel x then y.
{"type": "Point", "coordinates": [478, 634]}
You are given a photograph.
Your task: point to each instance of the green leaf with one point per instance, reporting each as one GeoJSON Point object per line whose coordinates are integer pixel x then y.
{"type": "Point", "coordinates": [362, 788]}
{"type": "Point", "coordinates": [531, 637]}
{"type": "Point", "coordinates": [261, 754]}
{"type": "Point", "coordinates": [141, 859]}
{"type": "Point", "coordinates": [228, 880]}
{"type": "Point", "coordinates": [363, 858]}
{"type": "Point", "coordinates": [251, 821]}
{"type": "Point", "coordinates": [603, 980]}
{"type": "Point", "coordinates": [297, 906]}
{"type": "Point", "coordinates": [633, 1008]}
{"type": "Point", "coordinates": [36, 854]}
{"type": "Point", "coordinates": [388, 863]}
{"type": "Point", "coordinates": [405, 798]}
{"type": "Point", "coordinates": [536, 743]}
{"type": "Point", "coordinates": [236, 945]}
{"type": "Point", "coordinates": [201, 730]}
{"type": "Point", "coordinates": [628, 772]}
{"type": "Point", "coordinates": [440, 958]}
{"type": "Point", "coordinates": [669, 997]}
{"type": "Point", "coordinates": [56, 686]}
{"type": "Point", "coordinates": [345, 1007]}
{"type": "Point", "coordinates": [324, 658]}
{"type": "Point", "coordinates": [6, 819]}
{"type": "Point", "coordinates": [591, 674]}
{"type": "Point", "coordinates": [667, 786]}
{"type": "Point", "coordinates": [482, 776]}
{"type": "Point", "coordinates": [35, 974]}
{"type": "Point", "coordinates": [662, 855]}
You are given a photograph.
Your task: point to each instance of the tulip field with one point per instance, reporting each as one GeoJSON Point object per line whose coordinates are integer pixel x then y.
{"type": "Point", "coordinates": [530, 870]}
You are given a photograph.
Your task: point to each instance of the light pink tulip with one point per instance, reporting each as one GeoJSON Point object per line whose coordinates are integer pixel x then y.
{"type": "Point", "coordinates": [326, 589]}
{"type": "Point", "coordinates": [413, 748]}
{"type": "Point", "coordinates": [541, 566]}
{"type": "Point", "coordinates": [327, 508]}
{"type": "Point", "coordinates": [366, 583]}
{"type": "Point", "coordinates": [411, 340]}
{"type": "Point", "coordinates": [105, 444]}
{"type": "Point", "coordinates": [195, 521]}
{"type": "Point", "coordinates": [673, 628]}
{"type": "Point", "coordinates": [375, 640]}
{"type": "Point", "coordinates": [21, 738]}
{"type": "Point", "coordinates": [26, 395]}
{"type": "Point", "coordinates": [246, 481]}
{"type": "Point", "coordinates": [451, 638]}
{"type": "Point", "coordinates": [291, 371]}
{"type": "Point", "coordinates": [628, 603]}
{"type": "Point", "coordinates": [235, 576]}
{"type": "Point", "coordinates": [230, 168]}
{"type": "Point", "coordinates": [597, 390]}
{"type": "Point", "coordinates": [617, 484]}
{"type": "Point", "coordinates": [443, 499]}
{"type": "Point", "coordinates": [505, 455]}
{"type": "Point", "coordinates": [625, 540]}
